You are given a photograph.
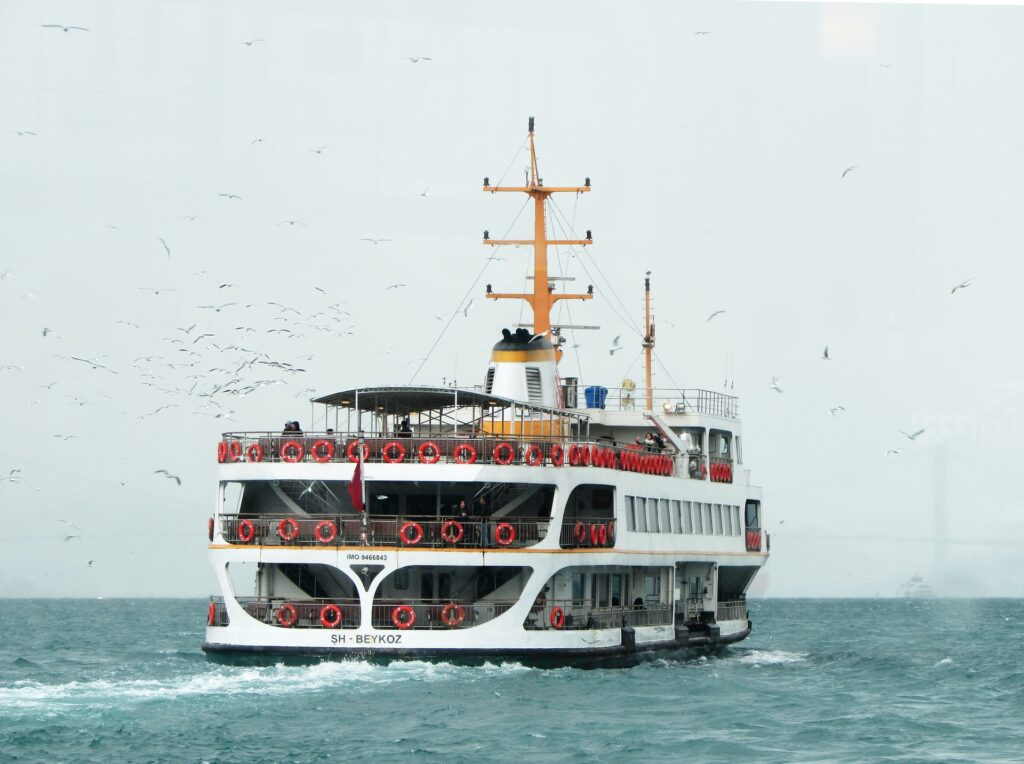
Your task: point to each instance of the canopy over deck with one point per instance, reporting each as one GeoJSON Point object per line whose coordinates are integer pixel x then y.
{"type": "Point", "coordinates": [405, 401]}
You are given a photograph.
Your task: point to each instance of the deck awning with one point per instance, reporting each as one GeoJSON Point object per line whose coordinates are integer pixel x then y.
{"type": "Point", "coordinates": [410, 400]}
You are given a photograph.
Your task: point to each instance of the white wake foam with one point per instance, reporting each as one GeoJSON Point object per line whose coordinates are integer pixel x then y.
{"type": "Point", "coordinates": [768, 657]}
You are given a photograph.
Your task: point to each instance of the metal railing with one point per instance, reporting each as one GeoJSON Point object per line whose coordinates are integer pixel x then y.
{"type": "Point", "coordinates": [753, 538]}
{"type": "Point", "coordinates": [403, 614]}
{"type": "Point", "coordinates": [734, 610]}
{"type": "Point", "coordinates": [687, 401]}
{"type": "Point", "coordinates": [321, 613]}
{"type": "Point", "coordinates": [587, 532]}
{"type": "Point", "coordinates": [570, 614]}
{"type": "Point", "coordinates": [405, 532]}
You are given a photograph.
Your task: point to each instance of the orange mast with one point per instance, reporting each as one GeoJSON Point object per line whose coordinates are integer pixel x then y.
{"type": "Point", "coordinates": [543, 297]}
{"type": "Point", "coordinates": [648, 343]}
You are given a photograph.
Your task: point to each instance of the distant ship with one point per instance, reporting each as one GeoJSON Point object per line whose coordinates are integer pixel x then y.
{"type": "Point", "coordinates": [504, 520]}
{"type": "Point", "coordinates": [917, 588]}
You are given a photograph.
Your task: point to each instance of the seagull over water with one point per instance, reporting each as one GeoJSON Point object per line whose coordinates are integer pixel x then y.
{"type": "Point", "coordinates": [250, 43]}
{"type": "Point", "coordinates": [230, 196]}
{"type": "Point", "coordinates": [168, 475]}
{"type": "Point", "coordinates": [913, 435]}
{"type": "Point", "coordinates": [374, 241]}
{"type": "Point", "coordinates": [319, 150]}
{"type": "Point", "coordinates": [22, 132]}
{"type": "Point", "coordinates": [417, 60]}
{"type": "Point", "coordinates": [894, 451]}
{"type": "Point", "coordinates": [292, 222]}
{"type": "Point", "coordinates": [65, 28]}
{"type": "Point", "coordinates": [963, 285]}
{"type": "Point", "coordinates": [834, 409]}
{"type": "Point", "coordinates": [717, 312]}
{"type": "Point", "coordinates": [615, 345]}
{"type": "Point", "coordinates": [825, 356]}
{"type": "Point", "coordinates": [166, 248]}
{"type": "Point", "coordinates": [848, 170]}
{"type": "Point", "coordinates": [775, 385]}
{"type": "Point", "coordinates": [394, 286]}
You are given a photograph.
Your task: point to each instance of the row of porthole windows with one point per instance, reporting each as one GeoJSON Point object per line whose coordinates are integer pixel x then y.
{"type": "Point", "coordinates": [646, 515]}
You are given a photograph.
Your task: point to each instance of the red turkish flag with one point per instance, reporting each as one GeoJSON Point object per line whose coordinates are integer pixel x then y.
{"type": "Point", "coordinates": [355, 488]}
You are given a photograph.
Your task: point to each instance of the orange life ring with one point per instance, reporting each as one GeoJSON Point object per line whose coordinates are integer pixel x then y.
{"type": "Point", "coordinates": [211, 615]}
{"type": "Point", "coordinates": [602, 534]}
{"type": "Point", "coordinates": [580, 532]}
{"type": "Point", "coordinates": [451, 531]}
{"type": "Point", "coordinates": [288, 529]}
{"type": "Point", "coordinates": [574, 455]}
{"type": "Point", "coordinates": [235, 450]}
{"type": "Point", "coordinates": [330, 616]}
{"type": "Point", "coordinates": [504, 453]}
{"type": "Point", "coordinates": [389, 456]}
{"type": "Point", "coordinates": [585, 456]}
{"type": "Point", "coordinates": [222, 452]}
{"type": "Point", "coordinates": [350, 451]}
{"type": "Point", "coordinates": [452, 615]}
{"type": "Point", "coordinates": [417, 531]}
{"type": "Point", "coordinates": [403, 617]}
{"type": "Point", "coordinates": [326, 531]}
{"type": "Point", "coordinates": [534, 456]}
{"type": "Point", "coordinates": [609, 458]}
{"type": "Point", "coordinates": [287, 615]}
{"type": "Point", "coordinates": [297, 451]}
{"type": "Point", "coordinates": [209, 528]}
{"type": "Point", "coordinates": [504, 534]}
{"type": "Point", "coordinates": [595, 534]}
{"type": "Point", "coordinates": [728, 472]}
{"type": "Point", "coordinates": [557, 617]}
{"type": "Point", "coordinates": [464, 448]}
{"type": "Point", "coordinates": [421, 452]}
{"type": "Point", "coordinates": [246, 531]}
{"type": "Point", "coordinates": [322, 451]}
{"type": "Point", "coordinates": [596, 456]}
{"type": "Point", "coordinates": [557, 455]}
{"type": "Point", "coordinates": [254, 453]}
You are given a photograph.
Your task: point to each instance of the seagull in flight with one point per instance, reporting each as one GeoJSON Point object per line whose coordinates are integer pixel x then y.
{"type": "Point", "coordinates": [128, 323]}
{"type": "Point", "coordinates": [319, 150]}
{"type": "Point", "coordinates": [615, 345]}
{"type": "Point", "coordinates": [913, 435]}
{"type": "Point", "coordinates": [168, 475]}
{"type": "Point", "coordinates": [166, 248]}
{"type": "Point", "coordinates": [465, 311]}
{"type": "Point", "coordinates": [417, 60]}
{"type": "Point", "coordinates": [92, 363]}
{"type": "Point", "coordinates": [217, 308]}
{"type": "Point", "coordinates": [230, 196]}
{"type": "Point", "coordinates": [394, 286]}
{"type": "Point", "coordinates": [426, 192]}
{"type": "Point", "coordinates": [250, 43]}
{"type": "Point", "coordinates": [293, 222]}
{"type": "Point", "coordinates": [13, 475]}
{"type": "Point", "coordinates": [963, 285]}
{"type": "Point", "coordinates": [703, 31]}
{"type": "Point", "coordinates": [825, 356]}
{"type": "Point", "coordinates": [848, 170]}
{"type": "Point", "coordinates": [894, 451]}
{"type": "Point", "coordinates": [375, 241]}
{"type": "Point", "coordinates": [834, 409]}
{"type": "Point", "coordinates": [71, 536]}
{"type": "Point", "coordinates": [717, 312]}
{"type": "Point", "coordinates": [22, 132]}
{"type": "Point", "coordinates": [775, 385]}
{"type": "Point", "coordinates": [65, 28]}
{"type": "Point", "coordinates": [156, 290]}
{"type": "Point", "coordinates": [65, 437]}
{"type": "Point", "coordinates": [191, 218]}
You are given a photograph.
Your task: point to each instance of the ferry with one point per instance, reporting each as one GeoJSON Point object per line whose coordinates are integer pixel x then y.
{"type": "Point", "coordinates": [530, 518]}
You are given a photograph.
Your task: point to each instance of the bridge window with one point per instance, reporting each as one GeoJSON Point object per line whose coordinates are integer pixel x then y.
{"type": "Point", "coordinates": [652, 516]}
{"type": "Point", "coordinates": [641, 514]}
{"type": "Point", "coordinates": [630, 514]}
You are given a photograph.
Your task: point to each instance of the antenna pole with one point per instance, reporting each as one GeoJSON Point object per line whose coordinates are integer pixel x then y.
{"type": "Point", "coordinates": [648, 343]}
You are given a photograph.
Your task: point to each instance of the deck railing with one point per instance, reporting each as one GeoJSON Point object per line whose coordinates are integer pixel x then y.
{"type": "Point", "coordinates": [405, 532]}
{"type": "Point", "coordinates": [669, 401]}
{"type": "Point", "coordinates": [587, 532]}
{"type": "Point", "coordinates": [734, 610]}
{"type": "Point", "coordinates": [573, 614]}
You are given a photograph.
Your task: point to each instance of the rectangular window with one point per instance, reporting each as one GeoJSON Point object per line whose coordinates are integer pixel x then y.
{"type": "Point", "coordinates": [666, 522]}
{"type": "Point", "coordinates": [687, 520]}
{"type": "Point", "coordinates": [736, 530]}
{"type": "Point", "coordinates": [717, 519]}
{"type": "Point", "coordinates": [677, 519]}
{"type": "Point", "coordinates": [641, 514]}
{"type": "Point", "coordinates": [602, 590]}
{"type": "Point", "coordinates": [726, 520]}
{"type": "Point", "coordinates": [401, 579]}
{"type": "Point", "coordinates": [630, 514]}
{"type": "Point", "coordinates": [577, 588]}
{"type": "Point", "coordinates": [652, 590]}
{"type": "Point", "coordinates": [652, 515]}
{"type": "Point", "coordinates": [616, 590]}
{"type": "Point", "coordinates": [705, 513]}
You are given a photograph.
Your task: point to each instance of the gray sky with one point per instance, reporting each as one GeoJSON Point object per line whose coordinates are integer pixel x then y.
{"type": "Point", "coordinates": [716, 161]}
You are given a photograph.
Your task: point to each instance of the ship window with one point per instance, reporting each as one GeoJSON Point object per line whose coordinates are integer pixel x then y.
{"type": "Point", "coordinates": [705, 519]}
{"type": "Point", "coordinates": [630, 514]}
{"type": "Point", "coordinates": [736, 521]}
{"type": "Point", "coordinates": [577, 588]}
{"type": "Point", "coordinates": [641, 514]}
{"type": "Point", "coordinates": [533, 387]}
{"type": "Point", "coordinates": [720, 443]}
{"type": "Point", "coordinates": [677, 520]}
{"type": "Point", "coordinates": [602, 590]}
{"type": "Point", "coordinates": [616, 587]}
{"type": "Point", "coordinates": [717, 519]}
{"type": "Point", "coordinates": [666, 523]}
{"type": "Point", "coordinates": [401, 579]}
{"type": "Point", "coordinates": [687, 526]}
{"type": "Point", "coordinates": [652, 590]}
{"type": "Point", "coordinates": [489, 384]}
{"type": "Point", "coordinates": [652, 515]}
{"type": "Point", "coordinates": [753, 515]}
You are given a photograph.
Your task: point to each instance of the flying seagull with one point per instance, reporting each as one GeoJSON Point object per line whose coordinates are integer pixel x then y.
{"type": "Point", "coordinates": [426, 192]}
{"type": "Point", "coordinates": [717, 312]}
{"type": "Point", "coordinates": [61, 26]}
{"type": "Point", "coordinates": [825, 356]}
{"type": "Point", "coordinates": [963, 285]}
{"type": "Point", "coordinates": [166, 248]}
{"type": "Point", "coordinates": [168, 475]}
{"type": "Point", "coordinates": [293, 222]}
{"type": "Point", "coordinates": [13, 475]}
{"type": "Point", "coordinates": [417, 60]}
{"type": "Point", "coordinates": [319, 150]}
{"type": "Point", "coordinates": [65, 437]}
{"type": "Point", "coordinates": [834, 409]}
{"type": "Point", "coordinates": [375, 241]}
{"type": "Point", "coordinates": [250, 43]}
{"type": "Point", "coordinates": [913, 435]}
{"type": "Point", "coordinates": [775, 385]}
{"type": "Point", "coordinates": [217, 308]}
{"type": "Point", "coordinates": [848, 170]}
{"type": "Point", "coordinates": [156, 290]}
{"type": "Point", "coordinates": [465, 311]}
{"type": "Point", "coordinates": [93, 364]}
{"type": "Point", "coordinates": [394, 286]}
{"type": "Point", "coordinates": [71, 536]}
{"type": "Point", "coordinates": [230, 196]}
{"type": "Point", "coordinates": [704, 31]}
{"type": "Point", "coordinates": [894, 451]}
{"type": "Point", "coordinates": [22, 132]}
{"type": "Point", "coordinates": [615, 345]}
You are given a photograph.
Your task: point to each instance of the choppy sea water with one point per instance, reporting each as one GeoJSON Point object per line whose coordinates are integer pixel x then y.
{"type": "Point", "coordinates": [819, 680]}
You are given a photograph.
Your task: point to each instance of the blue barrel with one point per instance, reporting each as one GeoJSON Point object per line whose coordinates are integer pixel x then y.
{"type": "Point", "coordinates": [595, 396]}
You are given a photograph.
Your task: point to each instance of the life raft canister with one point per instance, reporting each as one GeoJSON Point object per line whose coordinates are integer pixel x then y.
{"type": "Point", "coordinates": [288, 529]}
{"type": "Point", "coordinates": [452, 615]}
{"type": "Point", "coordinates": [557, 617]}
{"type": "Point", "coordinates": [504, 453]}
{"type": "Point", "coordinates": [504, 534]}
{"type": "Point", "coordinates": [464, 453]}
{"type": "Point", "coordinates": [322, 451]}
{"type": "Point", "coordinates": [393, 452]}
{"type": "Point", "coordinates": [403, 617]}
{"type": "Point", "coordinates": [451, 531]}
{"type": "Point", "coordinates": [431, 446]}
{"type": "Point", "coordinates": [287, 615]}
{"type": "Point", "coordinates": [325, 531]}
{"type": "Point", "coordinates": [292, 451]}
{"type": "Point", "coordinates": [330, 616]}
{"type": "Point", "coordinates": [413, 538]}
{"type": "Point", "coordinates": [246, 531]}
